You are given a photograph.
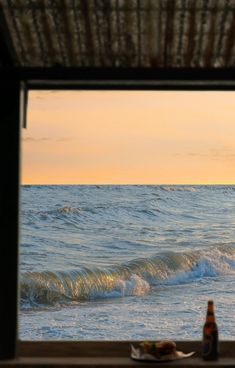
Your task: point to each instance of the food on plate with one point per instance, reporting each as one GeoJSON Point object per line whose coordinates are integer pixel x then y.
{"type": "Point", "coordinates": [158, 349]}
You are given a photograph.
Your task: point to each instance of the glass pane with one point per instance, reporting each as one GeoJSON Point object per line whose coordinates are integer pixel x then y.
{"type": "Point", "coordinates": [127, 215]}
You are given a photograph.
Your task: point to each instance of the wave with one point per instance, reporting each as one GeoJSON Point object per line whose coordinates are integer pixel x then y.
{"type": "Point", "coordinates": [149, 205]}
{"type": "Point", "coordinates": [67, 209]}
{"type": "Point", "coordinates": [176, 188]}
{"type": "Point", "coordinates": [133, 278]}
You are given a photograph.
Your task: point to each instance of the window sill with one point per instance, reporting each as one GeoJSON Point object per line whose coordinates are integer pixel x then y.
{"type": "Point", "coordinates": [108, 354]}
{"type": "Point", "coordinates": [113, 362]}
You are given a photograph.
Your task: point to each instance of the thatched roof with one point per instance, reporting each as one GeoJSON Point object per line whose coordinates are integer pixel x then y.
{"type": "Point", "coordinates": [118, 33]}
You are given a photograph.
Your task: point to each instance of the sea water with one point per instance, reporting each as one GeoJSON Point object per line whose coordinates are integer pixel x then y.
{"type": "Point", "coordinates": [126, 262]}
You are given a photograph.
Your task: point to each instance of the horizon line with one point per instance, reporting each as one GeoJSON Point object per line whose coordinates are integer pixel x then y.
{"type": "Point", "coordinates": [127, 184]}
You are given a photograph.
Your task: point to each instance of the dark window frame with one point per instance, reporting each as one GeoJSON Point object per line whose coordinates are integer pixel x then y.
{"type": "Point", "coordinates": [13, 91]}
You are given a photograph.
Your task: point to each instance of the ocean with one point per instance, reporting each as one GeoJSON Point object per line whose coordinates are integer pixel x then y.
{"type": "Point", "coordinates": [124, 262]}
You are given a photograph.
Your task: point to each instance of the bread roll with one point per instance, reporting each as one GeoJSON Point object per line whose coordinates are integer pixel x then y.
{"type": "Point", "coordinates": [166, 347]}
{"type": "Point", "coordinates": [158, 349]}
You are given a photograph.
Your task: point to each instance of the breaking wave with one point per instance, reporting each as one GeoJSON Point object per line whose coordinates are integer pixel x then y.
{"type": "Point", "coordinates": [133, 278]}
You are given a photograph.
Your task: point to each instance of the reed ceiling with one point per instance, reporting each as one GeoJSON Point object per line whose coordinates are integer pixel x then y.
{"type": "Point", "coordinates": [119, 33]}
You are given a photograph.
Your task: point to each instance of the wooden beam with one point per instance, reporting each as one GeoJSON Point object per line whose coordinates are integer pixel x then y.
{"type": "Point", "coordinates": [24, 104]}
{"type": "Point", "coordinates": [8, 56]}
{"type": "Point", "coordinates": [9, 216]}
{"type": "Point", "coordinates": [151, 75]}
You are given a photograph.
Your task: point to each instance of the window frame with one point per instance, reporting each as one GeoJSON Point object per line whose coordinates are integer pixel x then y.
{"type": "Point", "coordinates": [14, 86]}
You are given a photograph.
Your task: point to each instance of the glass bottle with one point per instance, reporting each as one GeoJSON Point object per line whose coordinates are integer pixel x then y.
{"type": "Point", "coordinates": [210, 346]}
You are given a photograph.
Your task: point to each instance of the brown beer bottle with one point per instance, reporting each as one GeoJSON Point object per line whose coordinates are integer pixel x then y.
{"type": "Point", "coordinates": [210, 346]}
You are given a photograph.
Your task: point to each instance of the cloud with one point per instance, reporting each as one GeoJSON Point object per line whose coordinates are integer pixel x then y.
{"type": "Point", "coordinates": [62, 139]}
{"type": "Point", "coordinates": [31, 139]}
{"type": "Point", "coordinates": [41, 95]}
{"type": "Point", "coordinates": [223, 155]}
{"type": "Point", "coordinates": [213, 154]}
{"type": "Point", "coordinates": [45, 139]}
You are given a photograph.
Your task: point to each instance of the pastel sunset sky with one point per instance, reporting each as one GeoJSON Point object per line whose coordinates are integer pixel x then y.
{"type": "Point", "coordinates": [118, 137]}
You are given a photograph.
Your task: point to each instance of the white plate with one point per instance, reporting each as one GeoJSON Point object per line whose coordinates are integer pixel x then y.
{"type": "Point", "coordinates": [136, 354]}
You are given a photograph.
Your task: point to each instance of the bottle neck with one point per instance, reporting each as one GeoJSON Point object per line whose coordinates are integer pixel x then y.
{"type": "Point", "coordinates": [210, 317]}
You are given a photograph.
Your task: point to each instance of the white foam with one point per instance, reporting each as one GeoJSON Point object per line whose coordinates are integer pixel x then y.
{"type": "Point", "coordinates": [210, 265]}
{"type": "Point", "coordinates": [135, 286]}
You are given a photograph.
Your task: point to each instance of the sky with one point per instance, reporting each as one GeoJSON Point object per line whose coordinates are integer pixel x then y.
{"type": "Point", "coordinates": [129, 137]}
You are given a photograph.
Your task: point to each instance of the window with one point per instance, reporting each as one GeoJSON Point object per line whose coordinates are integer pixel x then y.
{"type": "Point", "coordinates": [151, 222]}
{"type": "Point", "coordinates": [182, 80]}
